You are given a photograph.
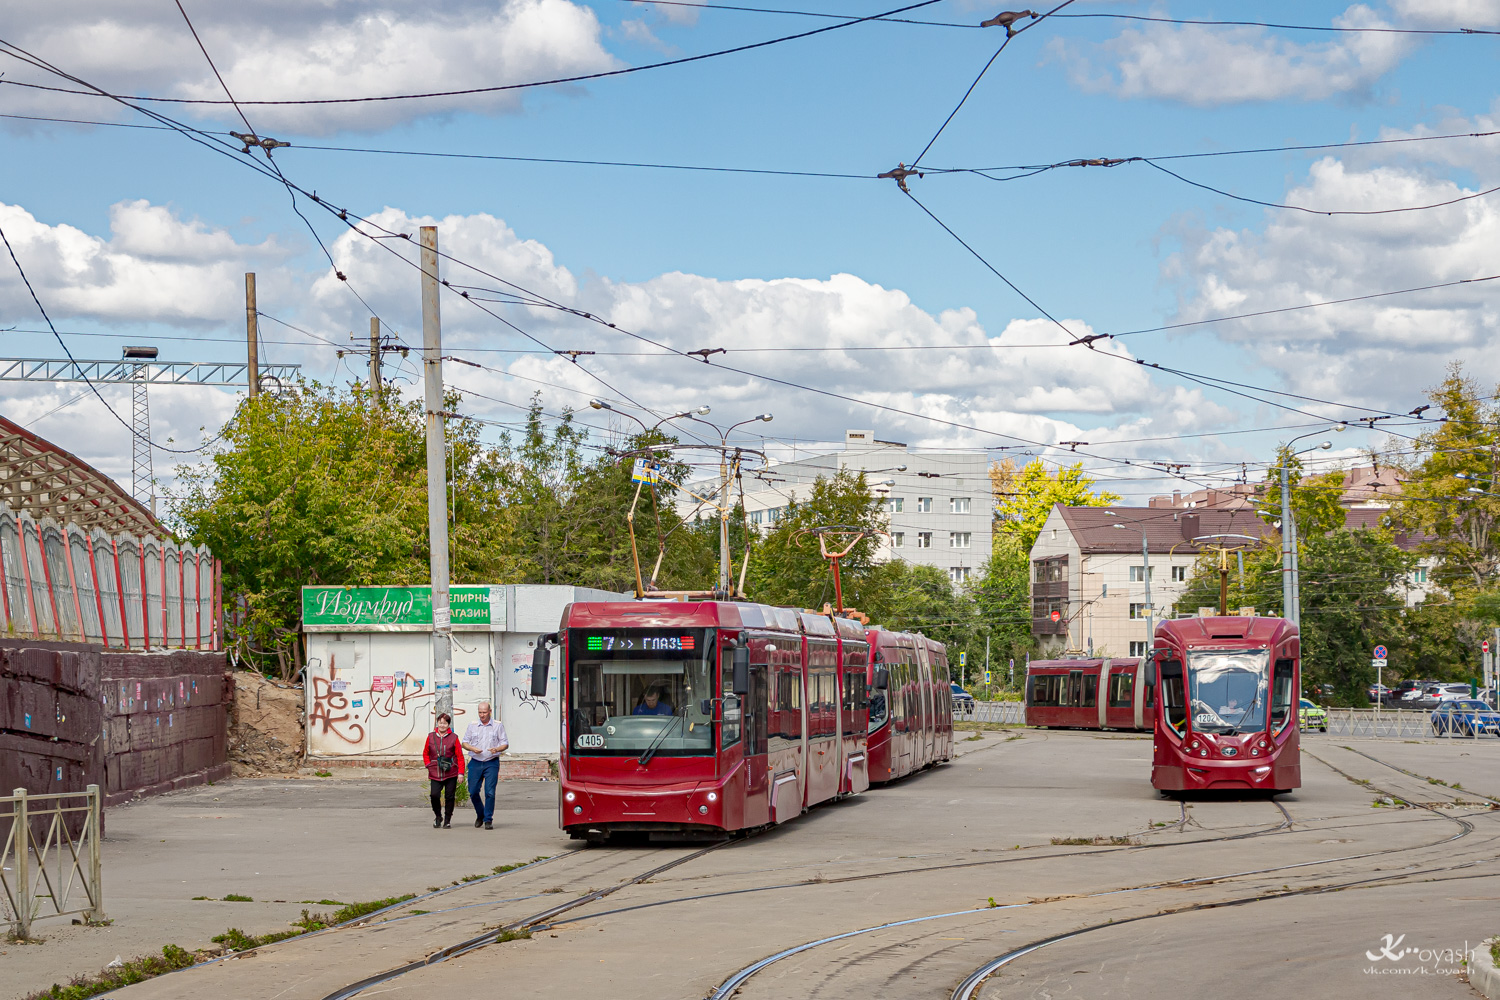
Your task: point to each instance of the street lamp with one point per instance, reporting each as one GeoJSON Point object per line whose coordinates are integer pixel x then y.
{"type": "Point", "coordinates": [724, 587]}
{"type": "Point", "coordinates": [1145, 572]}
{"type": "Point", "coordinates": [1290, 595]}
{"type": "Point", "coordinates": [600, 404]}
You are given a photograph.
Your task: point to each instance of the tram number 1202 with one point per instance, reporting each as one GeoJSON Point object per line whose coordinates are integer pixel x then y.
{"type": "Point", "coordinates": [590, 740]}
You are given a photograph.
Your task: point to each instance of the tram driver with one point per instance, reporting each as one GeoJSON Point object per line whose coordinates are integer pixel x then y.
{"type": "Point", "coordinates": [653, 704]}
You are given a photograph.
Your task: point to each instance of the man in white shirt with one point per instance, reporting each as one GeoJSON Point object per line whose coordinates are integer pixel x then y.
{"type": "Point", "coordinates": [486, 741]}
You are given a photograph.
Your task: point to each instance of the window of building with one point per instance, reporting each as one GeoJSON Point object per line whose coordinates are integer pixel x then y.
{"type": "Point", "coordinates": [773, 514]}
{"type": "Point", "coordinates": [924, 505]}
{"type": "Point", "coordinates": [1138, 610]}
{"type": "Point", "coordinates": [756, 516]}
{"type": "Point", "coordinates": [898, 539]}
{"type": "Point", "coordinates": [895, 505]}
{"type": "Point", "coordinates": [924, 539]}
{"type": "Point", "coordinates": [958, 574]}
{"type": "Point", "coordinates": [959, 539]}
{"type": "Point", "coordinates": [958, 505]}
{"type": "Point", "coordinates": [1419, 575]}
{"type": "Point", "coordinates": [1179, 574]}
{"type": "Point", "coordinates": [1137, 649]}
{"type": "Point", "coordinates": [1138, 573]}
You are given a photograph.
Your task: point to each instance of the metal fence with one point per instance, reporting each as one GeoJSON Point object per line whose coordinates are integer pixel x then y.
{"type": "Point", "coordinates": [1387, 723]}
{"type": "Point", "coordinates": [123, 592]}
{"type": "Point", "coordinates": [1012, 712]}
{"type": "Point", "coordinates": [50, 865]}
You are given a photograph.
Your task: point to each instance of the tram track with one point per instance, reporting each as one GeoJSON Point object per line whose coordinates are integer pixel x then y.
{"type": "Point", "coordinates": [967, 988]}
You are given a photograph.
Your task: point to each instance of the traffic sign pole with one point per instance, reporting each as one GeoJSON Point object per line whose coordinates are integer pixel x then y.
{"type": "Point", "coordinates": [1378, 662]}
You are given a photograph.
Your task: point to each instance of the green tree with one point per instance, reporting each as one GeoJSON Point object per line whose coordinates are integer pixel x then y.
{"type": "Point", "coordinates": [317, 485]}
{"type": "Point", "coordinates": [1459, 454]}
{"type": "Point", "coordinates": [787, 567]}
{"type": "Point", "coordinates": [1315, 498]}
{"type": "Point", "coordinates": [1025, 497]}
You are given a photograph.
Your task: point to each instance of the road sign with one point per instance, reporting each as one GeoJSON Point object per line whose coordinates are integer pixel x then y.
{"type": "Point", "coordinates": [1485, 645]}
{"type": "Point", "coordinates": [1057, 616]}
{"type": "Point", "coordinates": [963, 659]}
{"type": "Point", "coordinates": [1379, 653]}
{"type": "Point", "coordinates": [644, 471]}
{"type": "Point", "coordinates": [989, 677]}
{"type": "Point", "coordinates": [1378, 662]}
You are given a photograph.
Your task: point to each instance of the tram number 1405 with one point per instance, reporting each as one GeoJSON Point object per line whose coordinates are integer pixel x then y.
{"type": "Point", "coordinates": [590, 740]}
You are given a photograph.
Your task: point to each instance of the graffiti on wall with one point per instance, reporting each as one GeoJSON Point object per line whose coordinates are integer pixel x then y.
{"type": "Point", "coordinates": [344, 714]}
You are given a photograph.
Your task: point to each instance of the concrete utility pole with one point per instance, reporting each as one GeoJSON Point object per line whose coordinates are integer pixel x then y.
{"type": "Point", "coordinates": [437, 485]}
{"type": "Point", "coordinates": [1291, 597]}
{"type": "Point", "coordinates": [252, 335]}
{"type": "Point", "coordinates": [375, 360]}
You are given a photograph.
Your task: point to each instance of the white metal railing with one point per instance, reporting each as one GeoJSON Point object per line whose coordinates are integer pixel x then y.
{"type": "Point", "coordinates": [57, 873]}
{"type": "Point", "coordinates": [1388, 723]}
{"type": "Point", "coordinates": [1012, 712]}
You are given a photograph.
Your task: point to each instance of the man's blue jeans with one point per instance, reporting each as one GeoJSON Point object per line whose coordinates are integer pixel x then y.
{"type": "Point", "coordinates": [487, 773]}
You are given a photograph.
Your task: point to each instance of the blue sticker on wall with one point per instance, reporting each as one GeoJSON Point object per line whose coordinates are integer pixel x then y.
{"type": "Point", "coordinates": [28, 720]}
{"type": "Point", "coordinates": [473, 671]}
{"type": "Point", "coordinates": [59, 774]}
{"type": "Point", "coordinates": [358, 703]}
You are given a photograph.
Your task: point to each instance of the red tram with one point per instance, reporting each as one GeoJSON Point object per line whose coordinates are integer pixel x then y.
{"type": "Point", "coordinates": [911, 704]}
{"type": "Point", "coordinates": [1108, 693]}
{"type": "Point", "coordinates": [1226, 704]}
{"type": "Point", "coordinates": [701, 719]}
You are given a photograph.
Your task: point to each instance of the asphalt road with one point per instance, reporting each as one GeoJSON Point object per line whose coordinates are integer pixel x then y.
{"type": "Point", "coordinates": [1318, 880]}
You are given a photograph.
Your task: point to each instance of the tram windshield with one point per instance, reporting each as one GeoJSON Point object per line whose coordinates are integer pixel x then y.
{"type": "Point", "coordinates": [634, 691]}
{"type": "Point", "coordinates": [1228, 689]}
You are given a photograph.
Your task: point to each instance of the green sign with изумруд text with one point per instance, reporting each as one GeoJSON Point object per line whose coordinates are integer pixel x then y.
{"type": "Point", "coordinates": [399, 609]}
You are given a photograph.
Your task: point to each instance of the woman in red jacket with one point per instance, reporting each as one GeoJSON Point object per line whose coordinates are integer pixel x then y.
{"type": "Point", "coordinates": [444, 757]}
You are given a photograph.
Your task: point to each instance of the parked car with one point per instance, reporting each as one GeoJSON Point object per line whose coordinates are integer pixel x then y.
{"type": "Point", "coordinates": [1487, 695]}
{"type": "Point", "coordinates": [1311, 715]}
{"type": "Point", "coordinates": [1465, 717]}
{"type": "Point", "coordinates": [1434, 695]}
{"type": "Point", "coordinates": [963, 701]}
{"type": "Point", "coordinates": [1378, 693]}
{"type": "Point", "coordinates": [1408, 693]}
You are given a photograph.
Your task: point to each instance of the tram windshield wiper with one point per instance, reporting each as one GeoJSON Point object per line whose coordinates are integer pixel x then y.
{"type": "Point", "coordinates": [1234, 727]}
{"type": "Point", "coordinates": [650, 751]}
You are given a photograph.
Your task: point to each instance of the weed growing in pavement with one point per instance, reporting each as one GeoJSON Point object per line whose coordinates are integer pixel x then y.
{"type": "Point", "coordinates": [1094, 842]}
{"type": "Point", "coordinates": [971, 739]}
{"type": "Point", "coordinates": [513, 936]}
{"type": "Point", "coordinates": [416, 913]}
{"type": "Point", "coordinates": [993, 904]}
{"type": "Point", "coordinates": [322, 902]}
{"type": "Point", "coordinates": [1495, 951]}
{"type": "Point", "coordinates": [137, 970]}
{"type": "Point", "coordinates": [203, 897]}
{"type": "Point", "coordinates": [1018, 736]}
{"type": "Point", "coordinates": [356, 910]}
{"type": "Point", "coordinates": [323, 774]}
{"type": "Point", "coordinates": [235, 897]}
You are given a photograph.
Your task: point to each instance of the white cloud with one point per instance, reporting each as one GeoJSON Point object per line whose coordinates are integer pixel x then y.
{"type": "Point", "coordinates": [1448, 13]}
{"type": "Point", "coordinates": [274, 50]}
{"type": "Point", "coordinates": [155, 267]}
{"type": "Point", "coordinates": [1208, 66]}
{"type": "Point", "coordinates": [1387, 349]}
{"type": "Point", "coordinates": [1477, 154]}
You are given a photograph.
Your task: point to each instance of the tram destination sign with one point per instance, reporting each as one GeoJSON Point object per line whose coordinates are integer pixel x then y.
{"type": "Point", "coordinates": [399, 609]}
{"type": "Point", "coordinates": [632, 641]}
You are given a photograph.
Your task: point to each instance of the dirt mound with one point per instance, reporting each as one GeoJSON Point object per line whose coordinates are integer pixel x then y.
{"type": "Point", "coordinates": [266, 728]}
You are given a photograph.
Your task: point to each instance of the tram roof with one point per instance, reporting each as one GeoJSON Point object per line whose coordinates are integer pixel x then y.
{"type": "Point", "coordinates": [1205, 630]}
{"type": "Point", "coordinates": [706, 614]}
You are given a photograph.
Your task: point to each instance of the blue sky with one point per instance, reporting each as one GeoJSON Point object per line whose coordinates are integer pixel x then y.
{"type": "Point", "coordinates": [139, 234]}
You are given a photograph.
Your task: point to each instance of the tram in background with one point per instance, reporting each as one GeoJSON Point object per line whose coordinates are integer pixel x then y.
{"type": "Point", "coordinates": [1225, 713]}
{"type": "Point", "coordinates": [697, 719]}
{"type": "Point", "coordinates": [1108, 693]}
{"type": "Point", "coordinates": [911, 704]}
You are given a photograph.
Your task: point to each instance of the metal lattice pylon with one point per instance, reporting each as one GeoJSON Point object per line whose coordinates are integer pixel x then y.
{"type": "Point", "coordinates": [141, 486]}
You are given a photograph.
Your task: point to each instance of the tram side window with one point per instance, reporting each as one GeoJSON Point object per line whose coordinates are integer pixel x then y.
{"type": "Point", "coordinates": [1091, 691]}
{"type": "Point", "coordinates": [1171, 693]}
{"type": "Point", "coordinates": [1281, 694]}
{"type": "Point", "coordinates": [1121, 687]}
{"type": "Point", "coordinates": [1047, 689]}
{"type": "Point", "coordinates": [729, 728]}
{"type": "Point", "coordinates": [788, 704]}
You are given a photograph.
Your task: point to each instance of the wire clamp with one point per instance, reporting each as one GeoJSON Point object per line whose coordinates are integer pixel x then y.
{"type": "Point", "coordinates": [1007, 20]}
{"type": "Point", "coordinates": [899, 175]}
{"type": "Point", "coordinates": [263, 141]}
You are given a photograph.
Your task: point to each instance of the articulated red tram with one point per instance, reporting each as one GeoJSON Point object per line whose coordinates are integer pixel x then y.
{"type": "Point", "coordinates": [1226, 704]}
{"type": "Point", "coordinates": [1108, 693]}
{"type": "Point", "coordinates": [699, 719]}
{"type": "Point", "coordinates": [911, 704]}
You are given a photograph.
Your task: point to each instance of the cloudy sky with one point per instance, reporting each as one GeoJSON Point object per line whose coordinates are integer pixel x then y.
{"type": "Point", "coordinates": [839, 302]}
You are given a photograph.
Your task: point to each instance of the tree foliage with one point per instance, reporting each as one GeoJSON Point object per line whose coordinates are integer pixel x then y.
{"type": "Point", "coordinates": [1025, 496]}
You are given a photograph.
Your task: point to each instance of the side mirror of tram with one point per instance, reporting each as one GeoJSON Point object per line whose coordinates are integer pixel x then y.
{"type": "Point", "coordinates": [741, 670]}
{"type": "Point", "coordinates": [541, 664]}
{"type": "Point", "coordinates": [706, 707]}
{"type": "Point", "coordinates": [882, 678]}
{"type": "Point", "coordinates": [1151, 673]}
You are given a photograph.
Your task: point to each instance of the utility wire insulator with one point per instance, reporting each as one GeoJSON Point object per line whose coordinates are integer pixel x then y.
{"type": "Point", "coordinates": [1007, 19]}
{"type": "Point", "coordinates": [263, 141]}
{"type": "Point", "coordinates": [899, 174]}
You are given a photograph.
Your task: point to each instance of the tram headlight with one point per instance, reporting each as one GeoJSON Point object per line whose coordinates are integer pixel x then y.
{"type": "Point", "coordinates": [1263, 744]}
{"type": "Point", "coordinates": [713, 796]}
{"type": "Point", "coordinates": [1193, 745]}
{"type": "Point", "coordinates": [578, 810]}
{"type": "Point", "coordinates": [703, 810]}
{"type": "Point", "coordinates": [569, 797]}
{"type": "Point", "coordinates": [1202, 753]}
{"type": "Point", "coordinates": [1255, 751]}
